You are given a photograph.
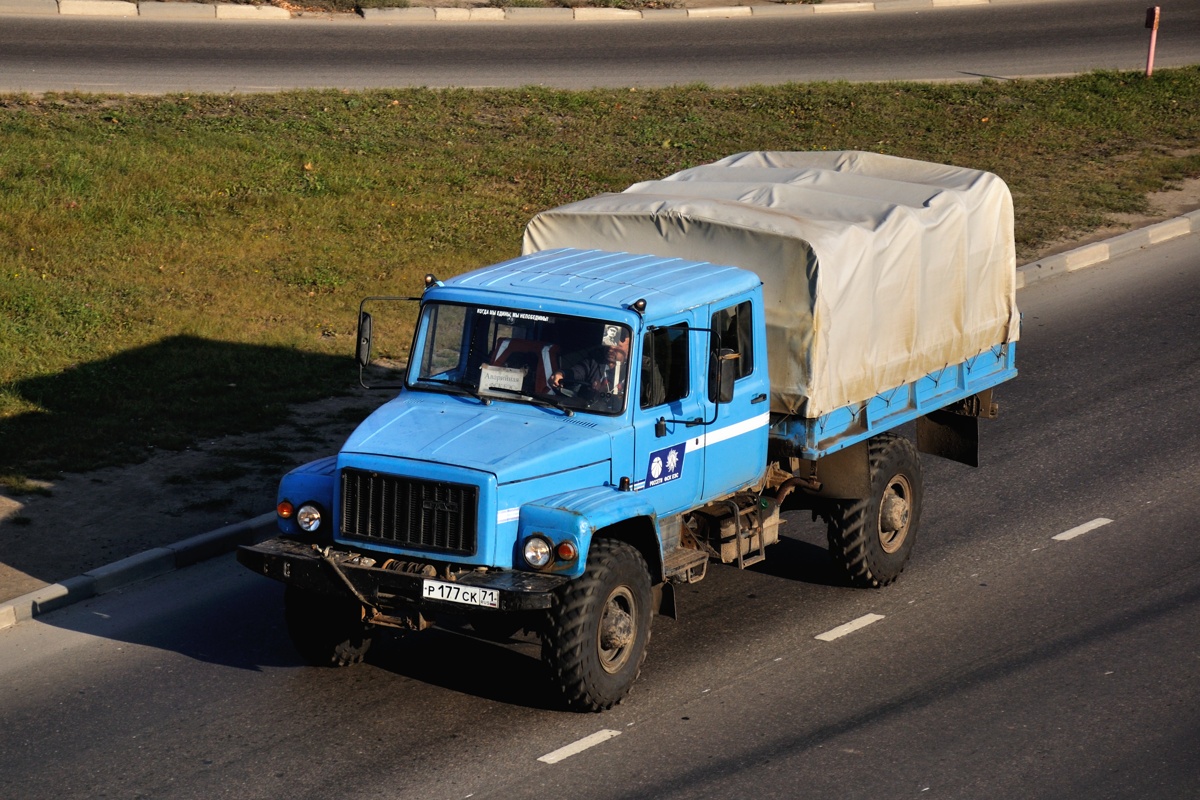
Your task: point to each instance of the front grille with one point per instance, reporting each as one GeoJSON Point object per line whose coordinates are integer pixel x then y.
{"type": "Point", "coordinates": [407, 512]}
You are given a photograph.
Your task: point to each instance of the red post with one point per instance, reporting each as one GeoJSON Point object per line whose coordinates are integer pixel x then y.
{"type": "Point", "coordinates": [1152, 16]}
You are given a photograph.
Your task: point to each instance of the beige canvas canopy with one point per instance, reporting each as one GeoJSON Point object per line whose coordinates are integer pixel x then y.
{"type": "Point", "coordinates": [877, 270]}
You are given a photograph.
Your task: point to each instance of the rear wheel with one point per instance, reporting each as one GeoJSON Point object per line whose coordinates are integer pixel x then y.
{"type": "Point", "coordinates": [326, 630]}
{"type": "Point", "coordinates": [596, 639]}
{"type": "Point", "coordinates": [871, 539]}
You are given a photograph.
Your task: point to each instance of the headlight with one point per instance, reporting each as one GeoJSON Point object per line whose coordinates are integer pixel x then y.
{"type": "Point", "coordinates": [537, 552]}
{"type": "Point", "coordinates": [308, 517]}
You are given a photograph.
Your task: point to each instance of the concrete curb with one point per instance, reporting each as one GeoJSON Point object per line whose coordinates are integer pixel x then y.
{"type": "Point", "coordinates": [97, 8]}
{"type": "Point", "coordinates": [162, 560]}
{"type": "Point", "coordinates": [149, 564]}
{"type": "Point", "coordinates": [177, 11]}
{"type": "Point", "coordinates": [1092, 254]}
{"type": "Point", "coordinates": [28, 7]}
{"type": "Point", "coordinates": [234, 11]}
{"type": "Point", "coordinates": [157, 9]}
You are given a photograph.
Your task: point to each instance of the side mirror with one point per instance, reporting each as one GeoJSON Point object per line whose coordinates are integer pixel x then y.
{"type": "Point", "coordinates": [363, 354]}
{"type": "Point", "coordinates": [364, 346]}
{"type": "Point", "coordinates": [722, 375]}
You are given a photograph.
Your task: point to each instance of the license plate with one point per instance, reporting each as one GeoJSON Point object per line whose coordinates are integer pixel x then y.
{"type": "Point", "coordinates": [457, 593]}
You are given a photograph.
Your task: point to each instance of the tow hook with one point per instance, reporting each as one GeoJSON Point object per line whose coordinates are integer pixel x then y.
{"type": "Point", "coordinates": [337, 570]}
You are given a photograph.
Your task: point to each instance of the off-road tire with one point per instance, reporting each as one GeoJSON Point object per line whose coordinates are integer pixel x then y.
{"type": "Point", "coordinates": [326, 630]}
{"type": "Point", "coordinates": [865, 540]}
{"type": "Point", "coordinates": [593, 656]}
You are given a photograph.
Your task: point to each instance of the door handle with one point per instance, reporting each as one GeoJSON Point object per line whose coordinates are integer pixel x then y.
{"type": "Point", "coordinates": [758, 398]}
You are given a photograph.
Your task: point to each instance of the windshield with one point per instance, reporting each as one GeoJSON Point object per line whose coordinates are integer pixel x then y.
{"type": "Point", "coordinates": [574, 363]}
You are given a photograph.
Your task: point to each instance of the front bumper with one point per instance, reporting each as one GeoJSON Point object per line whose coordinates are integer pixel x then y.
{"type": "Point", "coordinates": [300, 564]}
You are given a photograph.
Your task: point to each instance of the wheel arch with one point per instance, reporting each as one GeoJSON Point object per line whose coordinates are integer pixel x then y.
{"type": "Point", "coordinates": [587, 514]}
{"type": "Point", "coordinates": [640, 533]}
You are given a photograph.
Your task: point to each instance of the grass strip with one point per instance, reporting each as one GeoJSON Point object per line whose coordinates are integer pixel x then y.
{"type": "Point", "coordinates": [182, 267]}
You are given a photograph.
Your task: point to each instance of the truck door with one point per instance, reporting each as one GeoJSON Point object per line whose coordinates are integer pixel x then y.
{"type": "Point", "coordinates": [735, 443]}
{"type": "Point", "coordinates": [667, 468]}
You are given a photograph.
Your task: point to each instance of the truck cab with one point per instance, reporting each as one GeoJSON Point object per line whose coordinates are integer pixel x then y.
{"type": "Point", "coordinates": [549, 401]}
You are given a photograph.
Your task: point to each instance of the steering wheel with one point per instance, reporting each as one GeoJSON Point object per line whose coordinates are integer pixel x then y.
{"type": "Point", "coordinates": [569, 387]}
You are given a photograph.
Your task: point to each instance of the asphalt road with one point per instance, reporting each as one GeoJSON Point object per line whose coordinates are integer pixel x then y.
{"type": "Point", "coordinates": [1006, 663]}
{"type": "Point", "coordinates": [138, 55]}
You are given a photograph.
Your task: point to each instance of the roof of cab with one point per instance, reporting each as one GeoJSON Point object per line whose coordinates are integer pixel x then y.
{"type": "Point", "coordinates": [611, 279]}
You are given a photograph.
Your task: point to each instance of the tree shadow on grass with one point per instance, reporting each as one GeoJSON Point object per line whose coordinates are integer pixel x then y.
{"type": "Point", "coordinates": [165, 396]}
{"type": "Point", "coordinates": [181, 393]}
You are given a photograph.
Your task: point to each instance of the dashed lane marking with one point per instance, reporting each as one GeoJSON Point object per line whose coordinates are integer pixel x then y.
{"type": "Point", "coordinates": [579, 746]}
{"type": "Point", "coordinates": [849, 627]}
{"type": "Point", "coordinates": [1080, 530]}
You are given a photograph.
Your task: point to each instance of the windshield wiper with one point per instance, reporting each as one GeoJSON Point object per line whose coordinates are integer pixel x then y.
{"type": "Point", "coordinates": [462, 386]}
{"type": "Point", "coordinates": [536, 399]}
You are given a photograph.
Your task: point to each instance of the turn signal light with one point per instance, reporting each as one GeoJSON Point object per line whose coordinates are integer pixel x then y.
{"type": "Point", "coordinates": [285, 509]}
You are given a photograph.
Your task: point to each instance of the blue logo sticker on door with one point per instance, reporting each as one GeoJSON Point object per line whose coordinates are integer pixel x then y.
{"type": "Point", "coordinates": [665, 465]}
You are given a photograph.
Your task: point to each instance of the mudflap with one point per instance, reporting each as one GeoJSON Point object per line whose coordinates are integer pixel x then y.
{"type": "Point", "coordinates": [662, 597]}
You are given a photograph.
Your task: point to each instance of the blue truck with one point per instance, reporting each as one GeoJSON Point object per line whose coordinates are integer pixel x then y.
{"type": "Point", "coordinates": [639, 394]}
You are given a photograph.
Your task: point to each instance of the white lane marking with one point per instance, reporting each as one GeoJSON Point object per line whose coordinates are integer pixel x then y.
{"type": "Point", "coordinates": [579, 746]}
{"type": "Point", "coordinates": [849, 627]}
{"type": "Point", "coordinates": [1080, 530]}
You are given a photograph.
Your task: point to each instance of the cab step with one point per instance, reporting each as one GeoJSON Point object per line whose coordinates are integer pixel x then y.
{"type": "Point", "coordinates": [685, 565]}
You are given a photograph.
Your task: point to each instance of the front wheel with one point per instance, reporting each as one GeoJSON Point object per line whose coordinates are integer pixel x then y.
{"type": "Point", "coordinates": [326, 630]}
{"type": "Point", "coordinates": [596, 639]}
{"type": "Point", "coordinates": [871, 538]}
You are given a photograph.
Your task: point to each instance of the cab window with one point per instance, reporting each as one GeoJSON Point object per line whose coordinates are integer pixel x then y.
{"type": "Point", "coordinates": [732, 331]}
{"type": "Point", "coordinates": [664, 365]}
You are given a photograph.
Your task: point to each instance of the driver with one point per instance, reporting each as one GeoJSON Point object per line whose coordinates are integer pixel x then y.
{"type": "Point", "coordinates": [603, 373]}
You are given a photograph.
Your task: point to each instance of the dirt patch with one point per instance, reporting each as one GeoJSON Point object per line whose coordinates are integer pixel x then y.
{"type": "Point", "coordinates": [1163, 205]}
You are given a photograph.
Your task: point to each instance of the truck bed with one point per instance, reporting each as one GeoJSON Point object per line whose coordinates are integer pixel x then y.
{"type": "Point", "coordinates": [884, 279]}
{"type": "Point", "coordinates": [842, 427]}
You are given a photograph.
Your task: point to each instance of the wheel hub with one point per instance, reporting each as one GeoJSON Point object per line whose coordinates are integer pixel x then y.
{"type": "Point", "coordinates": [893, 516]}
{"type": "Point", "coordinates": [617, 630]}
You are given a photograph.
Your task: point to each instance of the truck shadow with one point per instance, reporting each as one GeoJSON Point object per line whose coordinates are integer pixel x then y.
{"type": "Point", "coordinates": [231, 621]}
{"type": "Point", "coordinates": [801, 560]}
{"type": "Point", "coordinates": [236, 621]}
{"type": "Point", "coordinates": [509, 672]}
